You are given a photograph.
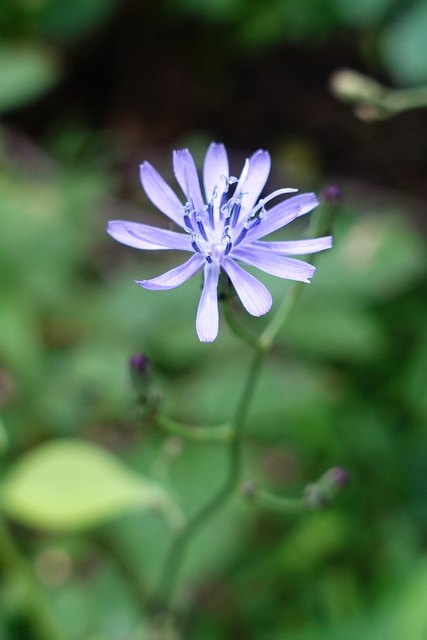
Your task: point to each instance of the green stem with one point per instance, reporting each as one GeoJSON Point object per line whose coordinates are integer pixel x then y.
{"type": "Point", "coordinates": [183, 539]}
{"type": "Point", "coordinates": [34, 604]}
{"type": "Point", "coordinates": [221, 432]}
{"type": "Point", "coordinates": [403, 99]}
{"type": "Point", "coordinates": [278, 504]}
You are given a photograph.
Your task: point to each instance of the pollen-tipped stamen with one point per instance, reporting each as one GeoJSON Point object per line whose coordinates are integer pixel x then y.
{"type": "Point", "coordinates": [235, 214]}
{"type": "Point", "coordinates": [240, 237]}
{"type": "Point", "coordinates": [223, 202]}
{"type": "Point", "coordinates": [249, 225]}
{"type": "Point", "coordinates": [196, 246]}
{"type": "Point", "coordinates": [201, 227]}
{"type": "Point", "coordinates": [211, 214]}
{"type": "Point", "coordinates": [188, 225]}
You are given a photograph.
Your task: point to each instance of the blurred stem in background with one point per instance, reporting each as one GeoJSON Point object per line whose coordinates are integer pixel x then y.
{"type": "Point", "coordinates": [372, 100]}
{"type": "Point", "coordinates": [321, 224]}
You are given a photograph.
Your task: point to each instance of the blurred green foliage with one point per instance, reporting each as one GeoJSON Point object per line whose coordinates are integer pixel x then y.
{"type": "Point", "coordinates": [34, 35]}
{"type": "Point", "coordinates": [392, 31]}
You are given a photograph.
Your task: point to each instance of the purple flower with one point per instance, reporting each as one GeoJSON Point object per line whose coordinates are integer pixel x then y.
{"type": "Point", "coordinates": [220, 229]}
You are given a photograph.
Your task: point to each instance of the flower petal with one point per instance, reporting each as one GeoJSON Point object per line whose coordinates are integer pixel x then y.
{"type": "Point", "coordinates": [254, 296]}
{"type": "Point", "coordinates": [275, 264]}
{"type": "Point", "coordinates": [207, 321]}
{"type": "Point", "coordinates": [187, 177]}
{"type": "Point", "coordinates": [253, 181]}
{"type": "Point", "coordinates": [174, 277]}
{"type": "Point", "coordinates": [144, 236]}
{"type": "Point", "coordinates": [294, 247]}
{"type": "Point", "coordinates": [282, 214]}
{"type": "Point", "coordinates": [215, 166]}
{"type": "Point", "coordinates": [160, 193]}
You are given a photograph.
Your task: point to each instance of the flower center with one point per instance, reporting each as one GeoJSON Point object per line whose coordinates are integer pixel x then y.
{"type": "Point", "coordinates": [216, 229]}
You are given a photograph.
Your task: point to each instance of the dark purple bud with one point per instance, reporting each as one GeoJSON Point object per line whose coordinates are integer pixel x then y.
{"type": "Point", "coordinates": [141, 375]}
{"type": "Point", "coordinates": [338, 476]}
{"type": "Point", "coordinates": [139, 364]}
{"type": "Point", "coordinates": [332, 194]}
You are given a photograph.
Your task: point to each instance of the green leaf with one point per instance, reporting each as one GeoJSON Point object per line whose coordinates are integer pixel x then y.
{"type": "Point", "coordinates": [67, 485]}
{"type": "Point", "coordinates": [26, 73]}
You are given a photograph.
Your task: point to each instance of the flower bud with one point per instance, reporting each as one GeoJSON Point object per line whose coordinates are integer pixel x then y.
{"type": "Point", "coordinates": [139, 364]}
{"type": "Point", "coordinates": [140, 370]}
{"type": "Point", "coordinates": [320, 494]}
{"type": "Point", "coordinates": [332, 194]}
{"type": "Point", "coordinates": [249, 488]}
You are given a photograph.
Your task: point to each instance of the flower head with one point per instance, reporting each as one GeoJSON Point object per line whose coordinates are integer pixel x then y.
{"type": "Point", "coordinates": [221, 228]}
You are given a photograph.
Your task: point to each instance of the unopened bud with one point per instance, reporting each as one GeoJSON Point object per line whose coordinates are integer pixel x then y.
{"type": "Point", "coordinates": [140, 370]}
{"type": "Point", "coordinates": [248, 488]}
{"type": "Point", "coordinates": [337, 476]}
{"type": "Point", "coordinates": [139, 364]}
{"type": "Point", "coordinates": [320, 494]}
{"type": "Point", "coordinates": [332, 194]}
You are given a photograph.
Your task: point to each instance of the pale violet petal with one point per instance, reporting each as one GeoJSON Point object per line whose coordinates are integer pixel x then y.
{"type": "Point", "coordinates": [207, 321]}
{"type": "Point", "coordinates": [257, 174]}
{"type": "Point", "coordinates": [254, 296]}
{"type": "Point", "coordinates": [242, 178]}
{"type": "Point", "coordinates": [275, 265]}
{"type": "Point", "coordinates": [174, 277]}
{"type": "Point", "coordinates": [293, 247]}
{"type": "Point", "coordinates": [281, 214]}
{"type": "Point", "coordinates": [187, 177]}
{"type": "Point", "coordinates": [144, 236]}
{"type": "Point", "coordinates": [160, 193]}
{"type": "Point", "coordinates": [215, 169]}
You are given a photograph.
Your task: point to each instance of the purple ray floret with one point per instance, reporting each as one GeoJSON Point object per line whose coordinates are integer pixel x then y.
{"type": "Point", "coordinates": [220, 227]}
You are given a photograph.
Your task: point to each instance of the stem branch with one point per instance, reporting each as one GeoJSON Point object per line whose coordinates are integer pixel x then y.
{"type": "Point", "coordinates": [184, 537]}
{"type": "Point", "coordinates": [222, 432]}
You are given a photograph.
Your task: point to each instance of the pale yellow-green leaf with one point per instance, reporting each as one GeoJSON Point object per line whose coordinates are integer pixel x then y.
{"type": "Point", "coordinates": [67, 485]}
